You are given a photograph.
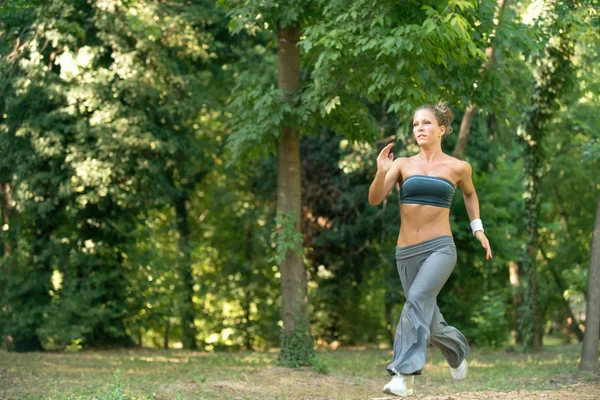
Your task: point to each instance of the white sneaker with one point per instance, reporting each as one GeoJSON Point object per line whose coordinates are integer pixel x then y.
{"type": "Point", "coordinates": [400, 385]}
{"type": "Point", "coordinates": [460, 373]}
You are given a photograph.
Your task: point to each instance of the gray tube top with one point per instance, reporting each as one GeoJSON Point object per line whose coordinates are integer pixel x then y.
{"type": "Point", "coordinates": [427, 190]}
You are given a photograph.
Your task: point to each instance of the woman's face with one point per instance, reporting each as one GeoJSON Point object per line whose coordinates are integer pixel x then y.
{"type": "Point", "coordinates": [426, 128]}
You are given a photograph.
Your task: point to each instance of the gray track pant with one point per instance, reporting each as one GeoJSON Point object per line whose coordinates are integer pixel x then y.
{"type": "Point", "coordinates": [424, 268]}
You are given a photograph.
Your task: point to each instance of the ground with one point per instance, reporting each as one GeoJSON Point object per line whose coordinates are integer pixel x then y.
{"type": "Point", "coordinates": [314, 386]}
{"type": "Point", "coordinates": [357, 373]}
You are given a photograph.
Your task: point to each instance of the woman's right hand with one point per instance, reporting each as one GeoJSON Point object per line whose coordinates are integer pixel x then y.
{"type": "Point", "coordinates": [385, 159]}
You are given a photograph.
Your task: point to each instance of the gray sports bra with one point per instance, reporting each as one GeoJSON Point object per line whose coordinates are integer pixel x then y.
{"type": "Point", "coordinates": [427, 190]}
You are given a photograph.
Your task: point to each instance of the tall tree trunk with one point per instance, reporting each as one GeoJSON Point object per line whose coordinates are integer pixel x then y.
{"type": "Point", "coordinates": [249, 293]}
{"type": "Point", "coordinates": [589, 354]}
{"type": "Point", "coordinates": [528, 314]}
{"type": "Point", "coordinates": [515, 283]}
{"type": "Point", "coordinates": [464, 131]}
{"type": "Point", "coordinates": [186, 305]}
{"type": "Point", "coordinates": [293, 272]}
{"type": "Point", "coordinates": [469, 115]}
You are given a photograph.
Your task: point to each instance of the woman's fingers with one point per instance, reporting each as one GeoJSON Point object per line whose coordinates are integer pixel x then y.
{"type": "Point", "coordinates": [486, 245]}
{"type": "Point", "coordinates": [488, 252]}
{"type": "Point", "coordinates": [384, 152]}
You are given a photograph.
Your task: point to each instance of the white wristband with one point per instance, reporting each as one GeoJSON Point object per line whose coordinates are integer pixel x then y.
{"type": "Point", "coordinates": [476, 225]}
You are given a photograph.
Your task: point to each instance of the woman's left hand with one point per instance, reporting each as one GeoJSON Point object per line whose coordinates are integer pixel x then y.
{"type": "Point", "coordinates": [485, 243]}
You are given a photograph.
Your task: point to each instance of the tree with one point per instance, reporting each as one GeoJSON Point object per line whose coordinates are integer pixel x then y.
{"type": "Point", "coordinates": [109, 127]}
{"type": "Point", "coordinates": [380, 38]}
{"type": "Point", "coordinates": [554, 78]}
{"type": "Point", "coordinates": [296, 338]}
{"type": "Point", "coordinates": [589, 353]}
{"type": "Point", "coordinates": [294, 299]}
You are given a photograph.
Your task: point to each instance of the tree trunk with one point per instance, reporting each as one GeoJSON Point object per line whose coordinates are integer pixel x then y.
{"type": "Point", "coordinates": [589, 354]}
{"type": "Point", "coordinates": [186, 306]}
{"type": "Point", "coordinates": [554, 77]}
{"type": "Point", "coordinates": [467, 120]}
{"type": "Point", "coordinates": [528, 314]}
{"type": "Point", "coordinates": [515, 283]}
{"type": "Point", "coordinates": [167, 334]}
{"type": "Point", "coordinates": [465, 130]}
{"type": "Point", "coordinates": [249, 295]}
{"type": "Point", "coordinates": [293, 272]}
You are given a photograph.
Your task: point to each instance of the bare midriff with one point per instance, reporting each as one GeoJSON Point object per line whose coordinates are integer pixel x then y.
{"type": "Point", "coordinates": [421, 222]}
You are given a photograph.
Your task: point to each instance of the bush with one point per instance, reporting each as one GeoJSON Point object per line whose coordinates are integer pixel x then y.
{"type": "Point", "coordinates": [491, 325]}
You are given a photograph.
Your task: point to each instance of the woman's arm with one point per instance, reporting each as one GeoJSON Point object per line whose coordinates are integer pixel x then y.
{"type": "Point", "coordinates": [472, 204]}
{"type": "Point", "coordinates": [468, 191]}
{"type": "Point", "coordinates": [388, 174]}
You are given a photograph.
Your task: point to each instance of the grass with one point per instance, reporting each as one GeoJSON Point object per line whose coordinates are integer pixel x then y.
{"type": "Point", "coordinates": [354, 374]}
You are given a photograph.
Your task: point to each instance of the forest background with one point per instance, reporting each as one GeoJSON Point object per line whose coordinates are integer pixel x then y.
{"type": "Point", "coordinates": [195, 173]}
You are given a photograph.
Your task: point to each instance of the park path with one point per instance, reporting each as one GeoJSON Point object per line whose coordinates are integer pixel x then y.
{"type": "Point", "coordinates": [575, 392]}
{"type": "Point", "coordinates": [281, 383]}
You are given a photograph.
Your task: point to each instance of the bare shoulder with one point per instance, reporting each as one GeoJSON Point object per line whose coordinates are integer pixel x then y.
{"type": "Point", "coordinates": [400, 161]}
{"type": "Point", "coordinates": [458, 164]}
{"type": "Point", "coordinates": [465, 168]}
{"type": "Point", "coordinates": [460, 167]}
{"type": "Point", "coordinates": [398, 165]}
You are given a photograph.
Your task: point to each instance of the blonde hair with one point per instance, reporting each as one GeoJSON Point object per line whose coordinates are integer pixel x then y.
{"type": "Point", "coordinates": [443, 114]}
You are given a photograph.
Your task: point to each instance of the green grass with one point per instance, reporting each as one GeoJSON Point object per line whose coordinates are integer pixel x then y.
{"type": "Point", "coordinates": [354, 374]}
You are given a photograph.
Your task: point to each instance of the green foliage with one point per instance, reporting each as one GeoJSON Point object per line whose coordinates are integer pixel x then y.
{"type": "Point", "coordinates": [257, 15]}
{"type": "Point", "coordinates": [285, 236]}
{"type": "Point", "coordinates": [363, 47]}
{"type": "Point", "coordinates": [108, 130]}
{"type": "Point", "coordinates": [491, 322]}
{"type": "Point", "coordinates": [320, 365]}
{"type": "Point", "coordinates": [116, 391]}
{"type": "Point", "coordinates": [297, 346]}
{"type": "Point", "coordinates": [75, 346]}
{"type": "Point", "coordinates": [257, 114]}
{"type": "Point", "coordinates": [591, 150]}
{"type": "Point", "coordinates": [555, 71]}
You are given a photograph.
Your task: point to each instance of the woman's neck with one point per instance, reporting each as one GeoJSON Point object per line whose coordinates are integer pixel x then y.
{"type": "Point", "coordinates": [429, 155]}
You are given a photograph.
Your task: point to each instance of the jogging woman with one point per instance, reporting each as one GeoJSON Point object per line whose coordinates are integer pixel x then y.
{"type": "Point", "coordinates": [425, 252]}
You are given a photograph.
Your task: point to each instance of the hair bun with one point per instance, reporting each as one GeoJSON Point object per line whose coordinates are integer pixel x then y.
{"type": "Point", "coordinates": [442, 108]}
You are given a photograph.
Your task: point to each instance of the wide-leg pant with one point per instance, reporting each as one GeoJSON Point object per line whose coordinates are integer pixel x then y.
{"type": "Point", "coordinates": [424, 268]}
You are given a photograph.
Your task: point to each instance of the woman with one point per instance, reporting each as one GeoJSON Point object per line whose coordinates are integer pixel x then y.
{"type": "Point", "coordinates": [426, 254]}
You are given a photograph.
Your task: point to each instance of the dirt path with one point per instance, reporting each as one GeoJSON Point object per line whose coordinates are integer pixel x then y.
{"type": "Point", "coordinates": [575, 392]}
{"type": "Point", "coordinates": [281, 383]}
